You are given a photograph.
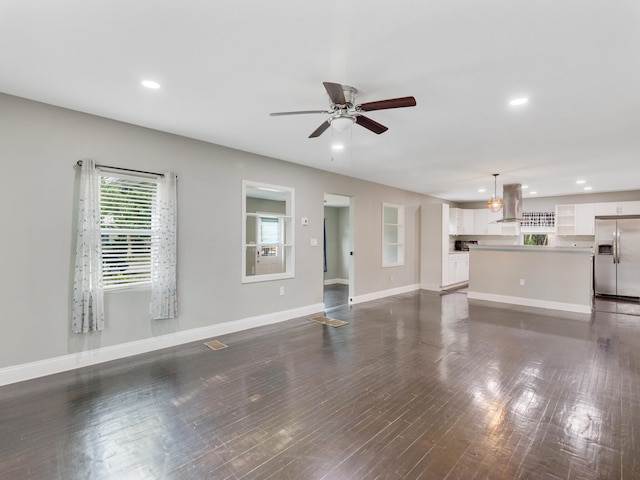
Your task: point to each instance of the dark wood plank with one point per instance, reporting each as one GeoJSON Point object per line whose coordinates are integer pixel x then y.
{"type": "Point", "coordinates": [419, 385]}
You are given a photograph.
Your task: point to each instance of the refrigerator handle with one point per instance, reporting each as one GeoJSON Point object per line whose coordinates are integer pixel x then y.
{"type": "Point", "coordinates": [618, 247]}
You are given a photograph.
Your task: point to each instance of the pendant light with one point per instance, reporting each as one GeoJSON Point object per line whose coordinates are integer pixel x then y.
{"type": "Point", "coordinates": [496, 203]}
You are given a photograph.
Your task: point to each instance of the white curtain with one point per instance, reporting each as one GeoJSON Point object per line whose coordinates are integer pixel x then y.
{"type": "Point", "coordinates": [88, 292]}
{"type": "Point", "coordinates": [164, 299]}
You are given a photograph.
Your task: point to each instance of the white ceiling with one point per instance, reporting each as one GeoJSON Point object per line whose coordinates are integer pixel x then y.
{"type": "Point", "coordinates": [225, 65]}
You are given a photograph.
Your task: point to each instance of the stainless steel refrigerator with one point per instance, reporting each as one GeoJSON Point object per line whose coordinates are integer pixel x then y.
{"type": "Point", "coordinates": [617, 257]}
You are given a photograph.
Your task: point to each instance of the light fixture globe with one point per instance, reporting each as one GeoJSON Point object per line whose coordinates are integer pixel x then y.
{"type": "Point", "coordinates": [342, 122]}
{"type": "Point", "coordinates": [496, 203]}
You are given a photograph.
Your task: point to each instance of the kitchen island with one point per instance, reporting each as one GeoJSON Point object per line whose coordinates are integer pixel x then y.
{"type": "Point", "coordinates": [537, 276]}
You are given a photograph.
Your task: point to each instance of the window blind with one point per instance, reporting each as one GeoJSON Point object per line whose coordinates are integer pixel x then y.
{"type": "Point", "coordinates": [125, 226]}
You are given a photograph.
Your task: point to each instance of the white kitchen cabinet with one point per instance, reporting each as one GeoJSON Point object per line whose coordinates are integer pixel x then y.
{"type": "Point", "coordinates": [486, 223]}
{"type": "Point", "coordinates": [617, 208]}
{"type": "Point", "coordinates": [566, 219]}
{"type": "Point", "coordinates": [495, 227]}
{"type": "Point", "coordinates": [585, 219]}
{"type": "Point", "coordinates": [458, 268]}
{"type": "Point", "coordinates": [461, 221]}
{"type": "Point", "coordinates": [481, 221]}
{"type": "Point", "coordinates": [578, 219]}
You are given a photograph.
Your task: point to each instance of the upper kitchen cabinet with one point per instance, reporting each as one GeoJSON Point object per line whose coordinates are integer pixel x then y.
{"type": "Point", "coordinates": [576, 219]}
{"type": "Point", "coordinates": [617, 208]}
{"type": "Point", "coordinates": [486, 222]}
{"type": "Point", "coordinates": [461, 221]}
{"type": "Point", "coordinates": [585, 219]}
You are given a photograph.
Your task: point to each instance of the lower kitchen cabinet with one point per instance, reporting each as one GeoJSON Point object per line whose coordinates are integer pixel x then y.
{"type": "Point", "coordinates": [458, 268]}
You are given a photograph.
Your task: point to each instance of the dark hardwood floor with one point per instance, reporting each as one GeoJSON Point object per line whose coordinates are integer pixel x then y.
{"type": "Point", "coordinates": [336, 295]}
{"type": "Point", "coordinates": [419, 385]}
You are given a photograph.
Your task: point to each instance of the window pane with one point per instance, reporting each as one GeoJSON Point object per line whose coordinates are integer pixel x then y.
{"type": "Point", "coordinates": [269, 231]}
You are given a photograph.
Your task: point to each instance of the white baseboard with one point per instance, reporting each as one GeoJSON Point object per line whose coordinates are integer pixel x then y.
{"type": "Point", "coordinates": [530, 302]}
{"type": "Point", "coordinates": [27, 371]}
{"type": "Point", "coordinates": [385, 293]}
{"type": "Point", "coordinates": [340, 281]}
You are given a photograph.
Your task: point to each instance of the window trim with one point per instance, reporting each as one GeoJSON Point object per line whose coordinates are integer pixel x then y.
{"type": "Point", "coordinates": [288, 222]}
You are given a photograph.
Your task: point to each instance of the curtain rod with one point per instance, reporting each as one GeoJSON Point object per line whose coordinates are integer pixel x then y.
{"type": "Point", "coordinates": [79, 163]}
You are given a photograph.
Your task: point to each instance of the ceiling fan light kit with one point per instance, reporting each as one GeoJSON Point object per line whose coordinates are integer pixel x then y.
{"type": "Point", "coordinates": [342, 122]}
{"type": "Point", "coordinates": [344, 112]}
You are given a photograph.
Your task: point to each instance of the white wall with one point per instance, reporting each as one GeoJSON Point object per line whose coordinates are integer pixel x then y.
{"type": "Point", "coordinates": [39, 145]}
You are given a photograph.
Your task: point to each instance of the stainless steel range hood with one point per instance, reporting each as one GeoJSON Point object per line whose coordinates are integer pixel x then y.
{"type": "Point", "coordinates": [512, 197]}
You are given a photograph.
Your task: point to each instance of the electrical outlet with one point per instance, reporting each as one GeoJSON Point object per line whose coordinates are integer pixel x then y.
{"type": "Point", "coordinates": [281, 290]}
{"type": "Point", "coordinates": [522, 282]}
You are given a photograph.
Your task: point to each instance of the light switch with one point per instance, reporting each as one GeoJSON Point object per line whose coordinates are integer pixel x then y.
{"type": "Point", "coordinates": [305, 221]}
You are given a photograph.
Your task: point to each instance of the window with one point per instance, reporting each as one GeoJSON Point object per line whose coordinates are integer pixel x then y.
{"type": "Point", "coordinates": [536, 239]}
{"type": "Point", "coordinates": [268, 233]}
{"type": "Point", "coordinates": [392, 235]}
{"type": "Point", "coordinates": [126, 205]}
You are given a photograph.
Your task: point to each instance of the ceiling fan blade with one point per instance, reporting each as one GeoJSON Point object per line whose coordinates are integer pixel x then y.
{"type": "Point", "coordinates": [301, 112]}
{"type": "Point", "coordinates": [336, 93]}
{"type": "Point", "coordinates": [372, 125]}
{"type": "Point", "coordinates": [320, 130]}
{"type": "Point", "coordinates": [391, 103]}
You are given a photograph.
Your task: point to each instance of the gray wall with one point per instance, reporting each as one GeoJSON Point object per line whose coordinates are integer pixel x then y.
{"type": "Point", "coordinates": [39, 145]}
{"type": "Point", "coordinates": [548, 204]}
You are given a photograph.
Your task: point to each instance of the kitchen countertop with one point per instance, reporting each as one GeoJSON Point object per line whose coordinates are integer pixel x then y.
{"type": "Point", "coordinates": [533, 248]}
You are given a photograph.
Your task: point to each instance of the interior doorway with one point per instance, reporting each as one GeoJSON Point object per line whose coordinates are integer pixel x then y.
{"type": "Point", "coordinates": [338, 250]}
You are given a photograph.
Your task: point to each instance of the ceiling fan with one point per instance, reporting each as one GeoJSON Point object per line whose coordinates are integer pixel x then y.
{"type": "Point", "coordinates": [344, 111]}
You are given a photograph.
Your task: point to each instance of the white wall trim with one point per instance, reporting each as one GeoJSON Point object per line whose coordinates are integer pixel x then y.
{"type": "Point", "coordinates": [385, 293]}
{"type": "Point", "coordinates": [434, 287]}
{"type": "Point", "coordinates": [27, 371]}
{"type": "Point", "coordinates": [333, 281]}
{"type": "Point", "coordinates": [530, 302]}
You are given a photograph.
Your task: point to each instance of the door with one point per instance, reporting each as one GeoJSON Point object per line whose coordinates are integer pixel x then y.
{"type": "Point", "coordinates": [338, 250]}
{"type": "Point", "coordinates": [605, 258]}
{"type": "Point", "coordinates": [628, 257]}
{"type": "Point", "coordinates": [269, 252]}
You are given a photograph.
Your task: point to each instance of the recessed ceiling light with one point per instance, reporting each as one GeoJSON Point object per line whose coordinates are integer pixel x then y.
{"type": "Point", "coordinates": [533, 193]}
{"type": "Point", "coordinates": [518, 101]}
{"type": "Point", "coordinates": [587, 188]}
{"type": "Point", "coordinates": [150, 84]}
{"type": "Point", "coordinates": [337, 147]}
{"type": "Point", "coordinates": [482, 190]}
{"type": "Point", "coordinates": [580, 182]}
{"type": "Point", "coordinates": [524, 187]}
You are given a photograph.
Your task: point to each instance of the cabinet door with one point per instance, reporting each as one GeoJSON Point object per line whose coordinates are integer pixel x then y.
{"type": "Point", "coordinates": [453, 221]}
{"type": "Point", "coordinates": [493, 227]}
{"type": "Point", "coordinates": [481, 221]}
{"type": "Point", "coordinates": [463, 268]}
{"type": "Point", "coordinates": [453, 270]}
{"type": "Point", "coordinates": [585, 219]}
{"type": "Point", "coordinates": [606, 209]}
{"type": "Point", "coordinates": [629, 208]}
{"type": "Point", "coordinates": [468, 221]}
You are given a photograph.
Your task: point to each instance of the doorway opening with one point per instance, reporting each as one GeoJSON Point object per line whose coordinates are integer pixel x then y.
{"type": "Point", "coordinates": [338, 251]}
